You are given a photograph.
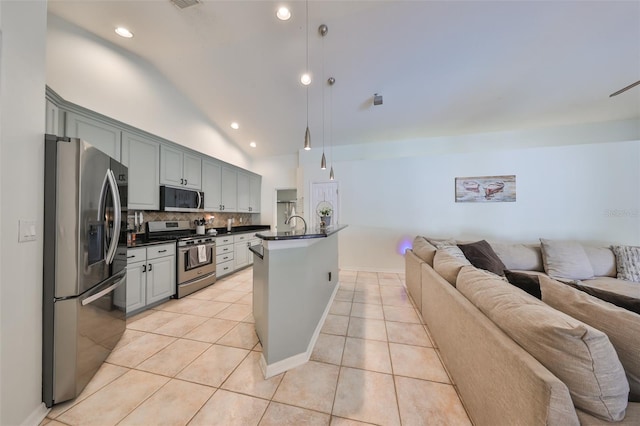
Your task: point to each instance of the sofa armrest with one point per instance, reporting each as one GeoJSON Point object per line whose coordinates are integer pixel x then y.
{"type": "Point", "coordinates": [412, 276]}
{"type": "Point", "coordinates": [499, 382]}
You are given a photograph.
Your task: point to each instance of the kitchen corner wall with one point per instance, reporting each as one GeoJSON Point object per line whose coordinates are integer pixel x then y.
{"type": "Point", "coordinates": [22, 120]}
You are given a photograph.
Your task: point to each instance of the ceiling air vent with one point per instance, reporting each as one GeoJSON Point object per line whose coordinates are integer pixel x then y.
{"type": "Point", "coordinates": [183, 4]}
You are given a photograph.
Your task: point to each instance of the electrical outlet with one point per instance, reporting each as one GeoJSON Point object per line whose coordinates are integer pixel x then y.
{"type": "Point", "coordinates": [27, 231]}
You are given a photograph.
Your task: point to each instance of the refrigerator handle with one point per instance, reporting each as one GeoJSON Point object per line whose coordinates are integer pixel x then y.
{"type": "Point", "coordinates": [119, 277]}
{"type": "Point", "coordinates": [117, 207]}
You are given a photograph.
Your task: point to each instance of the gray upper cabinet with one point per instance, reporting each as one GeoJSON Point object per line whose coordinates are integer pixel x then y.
{"type": "Point", "coordinates": [52, 115]}
{"type": "Point", "coordinates": [179, 168]}
{"type": "Point", "coordinates": [249, 192]}
{"type": "Point", "coordinates": [228, 189]}
{"type": "Point", "coordinates": [212, 185]}
{"type": "Point", "coordinates": [244, 188]}
{"type": "Point", "coordinates": [255, 189]}
{"type": "Point", "coordinates": [103, 136]}
{"type": "Point", "coordinates": [142, 156]}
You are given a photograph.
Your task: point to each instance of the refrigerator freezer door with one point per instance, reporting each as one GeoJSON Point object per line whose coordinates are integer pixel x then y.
{"type": "Point", "coordinates": [86, 329]}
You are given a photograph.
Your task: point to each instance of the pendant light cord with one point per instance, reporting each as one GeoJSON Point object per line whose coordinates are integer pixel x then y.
{"type": "Point", "coordinates": [307, 66]}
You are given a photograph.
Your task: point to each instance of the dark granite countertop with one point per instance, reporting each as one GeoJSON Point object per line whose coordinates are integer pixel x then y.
{"type": "Point", "coordinates": [292, 235]}
{"type": "Point", "coordinates": [142, 241]}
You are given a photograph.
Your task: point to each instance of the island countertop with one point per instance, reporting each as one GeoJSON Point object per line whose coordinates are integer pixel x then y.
{"type": "Point", "coordinates": [293, 235]}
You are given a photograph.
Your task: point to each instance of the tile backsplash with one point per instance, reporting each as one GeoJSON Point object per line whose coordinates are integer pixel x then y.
{"type": "Point", "coordinates": [214, 220]}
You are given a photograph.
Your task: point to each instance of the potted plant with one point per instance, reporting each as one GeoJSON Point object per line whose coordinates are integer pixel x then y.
{"type": "Point", "coordinates": [325, 215]}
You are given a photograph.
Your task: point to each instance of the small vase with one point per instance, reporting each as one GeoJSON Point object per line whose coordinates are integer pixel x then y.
{"type": "Point", "coordinates": [326, 220]}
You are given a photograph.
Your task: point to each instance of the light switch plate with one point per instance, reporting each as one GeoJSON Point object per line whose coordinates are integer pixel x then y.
{"type": "Point", "coordinates": [27, 230]}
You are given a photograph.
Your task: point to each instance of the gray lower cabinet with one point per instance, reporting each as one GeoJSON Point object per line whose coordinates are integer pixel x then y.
{"type": "Point", "coordinates": [103, 136]}
{"type": "Point", "coordinates": [179, 168]}
{"type": "Point", "coordinates": [151, 275]}
{"type": "Point", "coordinates": [241, 250]}
{"type": "Point", "coordinates": [142, 156]}
{"type": "Point", "coordinates": [224, 255]}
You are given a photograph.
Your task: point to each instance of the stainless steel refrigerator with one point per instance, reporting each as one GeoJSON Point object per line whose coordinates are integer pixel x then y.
{"type": "Point", "coordinates": [84, 294]}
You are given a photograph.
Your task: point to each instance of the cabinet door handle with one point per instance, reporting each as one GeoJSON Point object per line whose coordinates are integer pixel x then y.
{"type": "Point", "coordinates": [131, 257]}
{"type": "Point", "coordinates": [185, 181]}
{"type": "Point", "coordinates": [144, 268]}
{"type": "Point", "coordinates": [181, 181]}
{"type": "Point", "coordinates": [225, 258]}
{"type": "Point", "coordinates": [162, 251]}
{"type": "Point", "coordinates": [150, 267]}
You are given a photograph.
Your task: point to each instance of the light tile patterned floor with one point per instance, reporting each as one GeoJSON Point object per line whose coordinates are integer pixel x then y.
{"type": "Point", "coordinates": [195, 361]}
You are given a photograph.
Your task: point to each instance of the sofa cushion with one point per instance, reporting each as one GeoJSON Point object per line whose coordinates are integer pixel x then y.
{"type": "Point", "coordinates": [423, 249]}
{"type": "Point", "coordinates": [620, 300]}
{"type": "Point", "coordinates": [614, 285]}
{"type": "Point", "coordinates": [565, 259]}
{"type": "Point", "coordinates": [526, 257]}
{"type": "Point", "coordinates": [526, 282]}
{"type": "Point", "coordinates": [602, 260]}
{"type": "Point", "coordinates": [448, 266]}
{"type": "Point", "coordinates": [627, 262]}
{"type": "Point", "coordinates": [482, 256]}
{"type": "Point", "coordinates": [621, 326]}
{"type": "Point", "coordinates": [578, 354]}
{"type": "Point", "coordinates": [450, 246]}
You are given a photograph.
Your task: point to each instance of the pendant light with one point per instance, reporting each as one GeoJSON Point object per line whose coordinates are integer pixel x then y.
{"type": "Point", "coordinates": [306, 80]}
{"type": "Point", "coordinates": [323, 30]}
{"type": "Point", "coordinates": [331, 82]}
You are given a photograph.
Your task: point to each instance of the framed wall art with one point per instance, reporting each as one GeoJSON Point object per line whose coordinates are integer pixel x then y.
{"type": "Point", "coordinates": [486, 189]}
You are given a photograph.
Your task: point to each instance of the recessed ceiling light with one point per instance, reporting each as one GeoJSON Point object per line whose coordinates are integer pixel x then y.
{"type": "Point", "coordinates": [235, 126]}
{"type": "Point", "coordinates": [305, 79]}
{"type": "Point", "coordinates": [253, 144]}
{"type": "Point", "coordinates": [283, 13]}
{"type": "Point", "coordinates": [123, 32]}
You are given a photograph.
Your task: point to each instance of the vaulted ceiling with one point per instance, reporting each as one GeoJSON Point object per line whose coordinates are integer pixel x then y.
{"type": "Point", "coordinates": [442, 67]}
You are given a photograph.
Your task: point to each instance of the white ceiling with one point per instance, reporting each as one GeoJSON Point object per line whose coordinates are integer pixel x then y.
{"type": "Point", "coordinates": [443, 67]}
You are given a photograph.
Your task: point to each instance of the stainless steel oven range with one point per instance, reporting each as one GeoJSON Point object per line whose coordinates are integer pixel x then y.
{"type": "Point", "coordinates": [196, 254]}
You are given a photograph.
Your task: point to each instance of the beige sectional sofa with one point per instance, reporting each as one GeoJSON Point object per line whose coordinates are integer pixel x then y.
{"type": "Point", "coordinates": [499, 381]}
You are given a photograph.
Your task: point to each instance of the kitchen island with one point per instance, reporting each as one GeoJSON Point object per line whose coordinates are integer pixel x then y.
{"type": "Point", "coordinates": [295, 277]}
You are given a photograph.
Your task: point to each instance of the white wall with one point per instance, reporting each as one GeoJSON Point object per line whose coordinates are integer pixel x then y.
{"type": "Point", "coordinates": [277, 173]}
{"type": "Point", "coordinates": [586, 189]}
{"type": "Point", "coordinates": [22, 84]}
{"type": "Point", "coordinates": [98, 75]}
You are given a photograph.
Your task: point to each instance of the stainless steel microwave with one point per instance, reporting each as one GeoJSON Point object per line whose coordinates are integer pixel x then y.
{"type": "Point", "coordinates": [180, 199]}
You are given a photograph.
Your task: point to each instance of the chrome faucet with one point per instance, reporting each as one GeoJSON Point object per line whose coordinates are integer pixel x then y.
{"type": "Point", "coordinates": [286, 222]}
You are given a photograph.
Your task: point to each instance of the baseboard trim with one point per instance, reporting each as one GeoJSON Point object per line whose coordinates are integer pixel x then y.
{"type": "Point", "coordinates": [270, 370]}
{"type": "Point", "coordinates": [37, 416]}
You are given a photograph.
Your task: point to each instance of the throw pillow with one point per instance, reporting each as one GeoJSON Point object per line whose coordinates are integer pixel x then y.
{"type": "Point", "coordinates": [627, 262]}
{"type": "Point", "coordinates": [482, 256]}
{"type": "Point", "coordinates": [526, 282]}
{"type": "Point", "coordinates": [451, 247]}
{"type": "Point", "coordinates": [620, 300]}
{"type": "Point", "coordinates": [576, 353]}
{"type": "Point", "coordinates": [621, 326]}
{"type": "Point", "coordinates": [565, 259]}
